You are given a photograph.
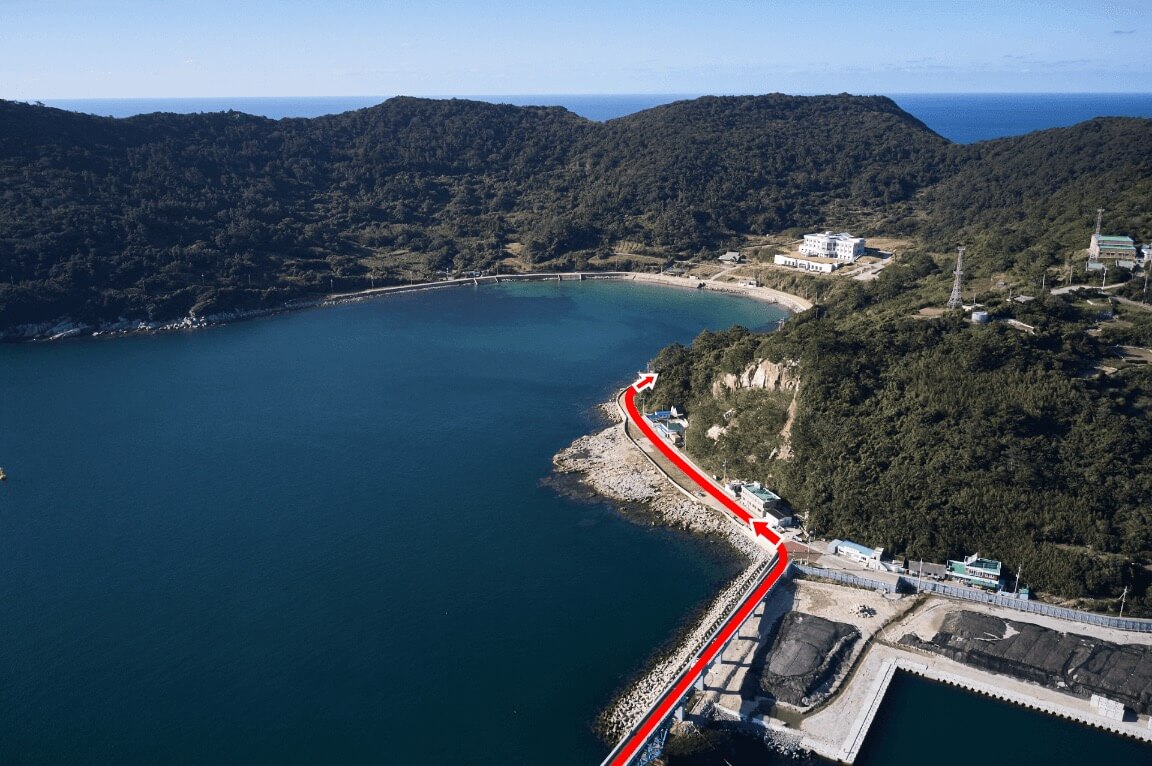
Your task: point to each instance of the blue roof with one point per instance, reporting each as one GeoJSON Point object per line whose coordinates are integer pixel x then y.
{"type": "Point", "coordinates": [862, 550]}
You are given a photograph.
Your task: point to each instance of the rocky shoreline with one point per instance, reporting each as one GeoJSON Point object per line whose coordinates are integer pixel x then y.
{"type": "Point", "coordinates": [609, 466]}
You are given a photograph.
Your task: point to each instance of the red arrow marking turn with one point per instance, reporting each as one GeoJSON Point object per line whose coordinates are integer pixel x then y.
{"type": "Point", "coordinates": [707, 484]}
{"type": "Point", "coordinates": [761, 528]}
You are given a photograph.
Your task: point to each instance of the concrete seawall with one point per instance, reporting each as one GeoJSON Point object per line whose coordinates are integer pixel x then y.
{"type": "Point", "coordinates": [791, 302]}
{"type": "Point", "coordinates": [825, 734]}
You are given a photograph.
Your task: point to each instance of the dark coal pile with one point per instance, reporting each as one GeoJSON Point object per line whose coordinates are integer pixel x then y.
{"type": "Point", "coordinates": [1069, 662]}
{"type": "Point", "coordinates": [799, 664]}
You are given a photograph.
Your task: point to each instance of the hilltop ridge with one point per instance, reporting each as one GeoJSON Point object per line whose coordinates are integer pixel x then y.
{"type": "Point", "coordinates": [160, 216]}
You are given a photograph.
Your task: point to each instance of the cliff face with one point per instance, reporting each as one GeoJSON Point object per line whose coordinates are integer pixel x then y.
{"type": "Point", "coordinates": [763, 373]}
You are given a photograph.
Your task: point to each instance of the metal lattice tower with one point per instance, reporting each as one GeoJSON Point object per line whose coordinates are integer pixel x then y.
{"type": "Point", "coordinates": [955, 301]}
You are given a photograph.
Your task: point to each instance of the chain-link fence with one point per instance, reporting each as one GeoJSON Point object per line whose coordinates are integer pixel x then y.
{"type": "Point", "coordinates": [917, 585]}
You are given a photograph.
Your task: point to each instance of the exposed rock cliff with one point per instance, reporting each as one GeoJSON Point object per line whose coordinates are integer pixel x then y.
{"type": "Point", "coordinates": [763, 373]}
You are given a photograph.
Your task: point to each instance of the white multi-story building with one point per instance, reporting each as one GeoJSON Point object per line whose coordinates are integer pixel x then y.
{"type": "Point", "coordinates": [842, 246]}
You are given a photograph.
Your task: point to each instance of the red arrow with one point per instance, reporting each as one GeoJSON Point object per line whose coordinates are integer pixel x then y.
{"type": "Point", "coordinates": [764, 529]}
{"type": "Point", "coordinates": [712, 488]}
{"type": "Point", "coordinates": [628, 749]}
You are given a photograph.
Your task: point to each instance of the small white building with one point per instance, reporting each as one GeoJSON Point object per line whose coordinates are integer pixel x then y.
{"type": "Point", "coordinates": [761, 501]}
{"type": "Point", "coordinates": [815, 263]}
{"type": "Point", "coordinates": [842, 247]}
{"type": "Point", "coordinates": [858, 553]}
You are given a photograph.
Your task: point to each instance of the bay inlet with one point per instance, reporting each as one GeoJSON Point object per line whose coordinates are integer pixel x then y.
{"type": "Point", "coordinates": [323, 537]}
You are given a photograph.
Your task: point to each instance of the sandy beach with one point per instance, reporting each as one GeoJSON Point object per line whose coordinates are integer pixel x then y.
{"type": "Point", "coordinates": [65, 327]}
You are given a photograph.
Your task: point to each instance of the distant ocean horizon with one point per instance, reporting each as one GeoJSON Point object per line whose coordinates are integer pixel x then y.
{"type": "Point", "coordinates": [960, 117]}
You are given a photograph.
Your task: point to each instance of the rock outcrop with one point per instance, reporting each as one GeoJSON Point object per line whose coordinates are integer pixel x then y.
{"type": "Point", "coordinates": [774, 376]}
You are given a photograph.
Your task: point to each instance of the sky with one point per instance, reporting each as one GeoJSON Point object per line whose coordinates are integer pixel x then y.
{"type": "Point", "coordinates": [61, 49]}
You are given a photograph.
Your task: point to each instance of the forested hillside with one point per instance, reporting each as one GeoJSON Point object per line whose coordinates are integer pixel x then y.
{"type": "Point", "coordinates": [158, 216]}
{"type": "Point", "coordinates": [937, 438]}
{"type": "Point", "coordinates": [931, 437]}
{"type": "Point", "coordinates": [1024, 203]}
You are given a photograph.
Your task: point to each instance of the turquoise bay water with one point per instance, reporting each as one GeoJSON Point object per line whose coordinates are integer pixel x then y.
{"type": "Point", "coordinates": [322, 537]}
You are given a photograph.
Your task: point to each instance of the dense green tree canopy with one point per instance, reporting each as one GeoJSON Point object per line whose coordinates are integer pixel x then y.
{"type": "Point", "coordinates": [938, 438]}
{"type": "Point", "coordinates": [157, 216]}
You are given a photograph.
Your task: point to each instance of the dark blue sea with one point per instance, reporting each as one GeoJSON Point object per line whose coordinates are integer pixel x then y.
{"type": "Point", "coordinates": [960, 117]}
{"type": "Point", "coordinates": [323, 537]}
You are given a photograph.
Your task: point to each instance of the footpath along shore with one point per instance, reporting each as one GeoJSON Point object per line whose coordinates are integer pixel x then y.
{"type": "Point", "coordinates": [791, 302]}
{"type": "Point", "coordinates": [66, 327]}
{"type": "Point", "coordinates": [618, 465]}
{"type": "Point", "coordinates": [611, 465]}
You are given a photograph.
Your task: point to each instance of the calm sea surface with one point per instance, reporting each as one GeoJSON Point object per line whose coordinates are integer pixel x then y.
{"type": "Point", "coordinates": [322, 538]}
{"type": "Point", "coordinates": [938, 722]}
{"type": "Point", "coordinates": [960, 117]}
{"type": "Point", "coordinates": [922, 721]}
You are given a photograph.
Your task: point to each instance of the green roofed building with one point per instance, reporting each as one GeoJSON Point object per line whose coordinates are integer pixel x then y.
{"type": "Point", "coordinates": [1108, 246]}
{"type": "Point", "coordinates": [974, 570]}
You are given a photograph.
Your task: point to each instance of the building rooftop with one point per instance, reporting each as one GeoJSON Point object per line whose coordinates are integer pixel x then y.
{"type": "Point", "coordinates": [863, 550]}
{"type": "Point", "coordinates": [1111, 239]}
{"type": "Point", "coordinates": [976, 566]}
{"type": "Point", "coordinates": [761, 492]}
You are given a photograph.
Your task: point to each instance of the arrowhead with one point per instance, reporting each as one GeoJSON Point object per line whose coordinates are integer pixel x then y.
{"type": "Point", "coordinates": [647, 380]}
{"type": "Point", "coordinates": [762, 528]}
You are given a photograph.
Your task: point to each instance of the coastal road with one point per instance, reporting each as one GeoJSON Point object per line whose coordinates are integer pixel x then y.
{"type": "Point", "coordinates": [634, 741]}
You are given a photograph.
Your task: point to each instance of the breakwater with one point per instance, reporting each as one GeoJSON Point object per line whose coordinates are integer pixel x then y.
{"type": "Point", "coordinates": [66, 327]}
{"type": "Point", "coordinates": [791, 302]}
{"type": "Point", "coordinates": [1005, 690]}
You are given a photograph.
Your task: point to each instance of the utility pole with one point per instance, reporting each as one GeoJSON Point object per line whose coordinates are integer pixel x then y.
{"type": "Point", "coordinates": [1122, 597]}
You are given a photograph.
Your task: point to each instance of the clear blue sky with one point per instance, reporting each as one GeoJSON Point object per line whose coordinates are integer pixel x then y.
{"type": "Point", "coordinates": [153, 48]}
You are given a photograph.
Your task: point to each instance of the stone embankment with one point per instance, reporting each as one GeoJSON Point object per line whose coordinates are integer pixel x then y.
{"type": "Point", "coordinates": [608, 464]}
{"type": "Point", "coordinates": [639, 697]}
